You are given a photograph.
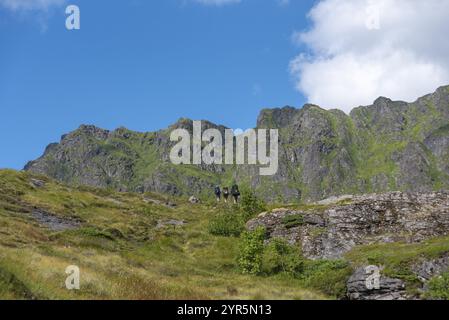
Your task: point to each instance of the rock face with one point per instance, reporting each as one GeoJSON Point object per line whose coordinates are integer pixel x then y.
{"type": "Point", "coordinates": [427, 269]}
{"type": "Point", "coordinates": [388, 289]}
{"type": "Point", "coordinates": [328, 232]}
{"type": "Point", "coordinates": [360, 284]}
{"type": "Point", "coordinates": [54, 222]}
{"type": "Point", "coordinates": [388, 146]}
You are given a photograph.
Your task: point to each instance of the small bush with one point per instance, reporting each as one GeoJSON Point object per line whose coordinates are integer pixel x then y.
{"type": "Point", "coordinates": [327, 276]}
{"type": "Point", "coordinates": [250, 204]}
{"type": "Point", "coordinates": [251, 251]}
{"type": "Point", "coordinates": [281, 257]}
{"type": "Point", "coordinates": [93, 233]}
{"type": "Point", "coordinates": [10, 284]}
{"type": "Point", "coordinates": [439, 287]}
{"type": "Point", "coordinates": [226, 225]}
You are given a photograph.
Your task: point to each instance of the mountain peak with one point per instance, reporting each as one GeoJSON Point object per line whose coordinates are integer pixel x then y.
{"type": "Point", "coordinates": [276, 118]}
{"type": "Point", "coordinates": [382, 101]}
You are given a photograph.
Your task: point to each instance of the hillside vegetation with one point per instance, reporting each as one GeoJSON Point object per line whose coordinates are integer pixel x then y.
{"type": "Point", "coordinates": [124, 244]}
{"type": "Point", "coordinates": [149, 246]}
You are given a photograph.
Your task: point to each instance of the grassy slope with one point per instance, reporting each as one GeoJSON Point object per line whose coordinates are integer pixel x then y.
{"type": "Point", "coordinates": [122, 255]}
{"type": "Point", "coordinates": [118, 249]}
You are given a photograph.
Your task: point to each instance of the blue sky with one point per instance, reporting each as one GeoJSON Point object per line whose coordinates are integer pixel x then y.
{"type": "Point", "coordinates": [142, 65]}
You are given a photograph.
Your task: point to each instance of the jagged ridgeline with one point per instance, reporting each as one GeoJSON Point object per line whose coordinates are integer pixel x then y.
{"type": "Point", "coordinates": [388, 146]}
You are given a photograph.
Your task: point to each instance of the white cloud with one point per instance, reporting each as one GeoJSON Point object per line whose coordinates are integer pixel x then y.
{"type": "Point", "coordinates": [361, 49]}
{"type": "Point", "coordinates": [16, 5]}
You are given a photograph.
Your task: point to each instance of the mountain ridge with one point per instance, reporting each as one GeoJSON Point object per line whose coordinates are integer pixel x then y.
{"type": "Point", "coordinates": [387, 146]}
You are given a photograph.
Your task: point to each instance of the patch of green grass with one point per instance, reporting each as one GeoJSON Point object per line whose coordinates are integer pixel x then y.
{"type": "Point", "coordinates": [438, 287]}
{"type": "Point", "coordinates": [293, 221]}
{"type": "Point", "coordinates": [11, 287]}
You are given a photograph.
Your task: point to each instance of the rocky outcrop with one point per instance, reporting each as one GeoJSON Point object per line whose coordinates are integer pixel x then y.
{"type": "Point", "coordinates": [54, 222]}
{"type": "Point", "coordinates": [363, 284]}
{"type": "Point", "coordinates": [329, 231]}
{"type": "Point", "coordinates": [427, 269]}
{"type": "Point", "coordinates": [331, 228]}
{"type": "Point", "coordinates": [360, 288]}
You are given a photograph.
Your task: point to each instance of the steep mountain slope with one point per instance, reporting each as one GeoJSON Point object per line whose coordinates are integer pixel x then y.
{"type": "Point", "coordinates": [124, 160]}
{"type": "Point", "coordinates": [388, 146]}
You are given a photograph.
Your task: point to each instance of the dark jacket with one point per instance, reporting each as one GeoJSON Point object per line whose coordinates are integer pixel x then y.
{"type": "Point", "coordinates": [235, 190]}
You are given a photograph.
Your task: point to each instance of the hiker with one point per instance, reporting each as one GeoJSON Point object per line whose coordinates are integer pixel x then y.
{"type": "Point", "coordinates": [235, 193]}
{"type": "Point", "coordinates": [226, 194]}
{"type": "Point", "coordinates": [218, 193]}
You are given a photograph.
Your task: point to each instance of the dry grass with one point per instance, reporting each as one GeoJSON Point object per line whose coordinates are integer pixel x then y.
{"type": "Point", "coordinates": [120, 252]}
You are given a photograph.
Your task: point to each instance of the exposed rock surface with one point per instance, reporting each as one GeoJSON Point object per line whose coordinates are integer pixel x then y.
{"type": "Point", "coordinates": [332, 227]}
{"type": "Point", "coordinates": [427, 269]}
{"type": "Point", "coordinates": [359, 286]}
{"type": "Point", "coordinates": [53, 222]}
{"type": "Point", "coordinates": [174, 223]}
{"type": "Point", "coordinates": [388, 289]}
{"type": "Point", "coordinates": [37, 183]}
{"type": "Point", "coordinates": [167, 204]}
{"type": "Point", "coordinates": [330, 231]}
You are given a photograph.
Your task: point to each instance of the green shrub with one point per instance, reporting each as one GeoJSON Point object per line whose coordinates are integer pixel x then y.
{"type": "Point", "coordinates": [94, 233]}
{"type": "Point", "coordinates": [327, 276]}
{"type": "Point", "coordinates": [226, 225]}
{"type": "Point", "coordinates": [250, 204]}
{"type": "Point", "coordinates": [10, 284]}
{"type": "Point", "coordinates": [251, 251]}
{"type": "Point", "coordinates": [439, 287]}
{"type": "Point", "coordinates": [293, 221]}
{"type": "Point", "coordinates": [281, 257]}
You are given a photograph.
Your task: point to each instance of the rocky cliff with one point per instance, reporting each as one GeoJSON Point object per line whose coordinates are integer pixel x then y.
{"type": "Point", "coordinates": [388, 146]}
